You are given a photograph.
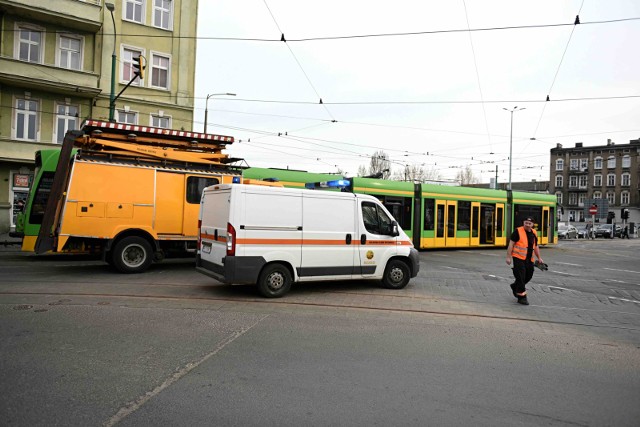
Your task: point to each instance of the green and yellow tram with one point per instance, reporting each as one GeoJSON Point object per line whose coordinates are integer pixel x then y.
{"type": "Point", "coordinates": [440, 216]}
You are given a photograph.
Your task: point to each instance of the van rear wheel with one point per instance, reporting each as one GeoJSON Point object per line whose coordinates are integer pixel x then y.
{"type": "Point", "coordinates": [275, 281]}
{"type": "Point", "coordinates": [132, 254]}
{"type": "Point", "coordinates": [396, 275]}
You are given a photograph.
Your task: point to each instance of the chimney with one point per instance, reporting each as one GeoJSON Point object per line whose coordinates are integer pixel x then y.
{"type": "Point", "coordinates": [578, 144]}
{"type": "Point", "coordinates": [558, 145]}
{"type": "Point", "coordinates": [609, 142]}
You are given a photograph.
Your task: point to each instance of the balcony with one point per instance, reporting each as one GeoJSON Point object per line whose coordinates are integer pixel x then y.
{"type": "Point", "coordinates": [48, 78]}
{"type": "Point", "coordinates": [80, 15]}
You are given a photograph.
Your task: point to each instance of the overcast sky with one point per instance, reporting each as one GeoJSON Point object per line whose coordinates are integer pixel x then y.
{"type": "Point", "coordinates": [433, 98]}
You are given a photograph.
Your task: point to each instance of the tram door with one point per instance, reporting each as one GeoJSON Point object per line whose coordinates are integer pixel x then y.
{"type": "Point", "coordinates": [445, 223]}
{"type": "Point", "coordinates": [501, 238]}
{"type": "Point", "coordinates": [543, 231]}
{"type": "Point", "coordinates": [474, 234]}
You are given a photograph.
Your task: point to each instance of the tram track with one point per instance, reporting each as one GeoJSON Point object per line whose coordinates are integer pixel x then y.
{"type": "Point", "coordinates": [352, 306]}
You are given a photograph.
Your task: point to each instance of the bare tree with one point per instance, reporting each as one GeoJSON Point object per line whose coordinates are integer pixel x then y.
{"type": "Point", "coordinates": [465, 176]}
{"type": "Point", "coordinates": [379, 166]}
{"type": "Point", "coordinates": [416, 173]}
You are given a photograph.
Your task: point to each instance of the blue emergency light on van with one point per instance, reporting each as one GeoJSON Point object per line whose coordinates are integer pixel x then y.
{"type": "Point", "coordinates": [338, 183]}
{"type": "Point", "coordinates": [236, 180]}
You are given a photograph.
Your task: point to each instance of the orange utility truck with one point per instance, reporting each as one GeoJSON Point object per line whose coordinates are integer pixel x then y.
{"type": "Point", "coordinates": [131, 193]}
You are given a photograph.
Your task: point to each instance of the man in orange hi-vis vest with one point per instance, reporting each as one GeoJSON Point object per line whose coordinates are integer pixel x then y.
{"type": "Point", "coordinates": [522, 246]}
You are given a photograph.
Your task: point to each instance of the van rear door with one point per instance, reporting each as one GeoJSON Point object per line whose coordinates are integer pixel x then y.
{"type": "Point", "coordinates": [215, 211]}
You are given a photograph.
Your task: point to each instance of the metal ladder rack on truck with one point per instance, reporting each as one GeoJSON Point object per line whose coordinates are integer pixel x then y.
{"type": "Point", "coordinates": [131, 193]}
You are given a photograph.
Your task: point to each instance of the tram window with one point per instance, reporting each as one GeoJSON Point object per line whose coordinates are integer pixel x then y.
{"type": "Point", "coordinates": [464, 216]}
{"type": "Point", "coordinates": [440, 215]}
{"type": "Point", "coordinates": [41, 197]}
{"type": "Point", "coordinates": [429, 205]}
{"type": "Point", "coordinates": [451, 220]}
{"type": "Point", "coordinates": [499, 224]}
{"type": "Point", "coordinates": [476, 214]}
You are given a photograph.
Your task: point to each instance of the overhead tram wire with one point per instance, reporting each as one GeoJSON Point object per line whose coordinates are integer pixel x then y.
{"type": "Point", "coordinates": [475, 63]}
{"type": "Point", "coordinates": [298, 62]}
{"type": "Point", "coordinates": [362, 36]}
{"type": "Point", "coordinates": [544, 106]}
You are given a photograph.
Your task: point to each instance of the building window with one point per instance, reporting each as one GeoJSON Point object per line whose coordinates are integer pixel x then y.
{"type": "Point", "coordinates": [127, 71]}
{"type": "Point", "coordinates": [559, 164]}
{"type": "Point", "coordinates": [597, 180]}
{"type": "Point", "coordinates": [30, 44]}
{"type": "Point", "coordinates": [611, 162]}
{"type": "Point", "coordinates": [162, 16]}
{"type": "Point", "coordinates": [559, 197]}
{"type": "Point", "coordinates": [128, 117]}
{"type": "Point", "coordinates": [558, 181]}
{"type": "Point", "coordinates": [134, 11]}
{"type": "Point", "coordinates": [163, 122]}
{"type": "Point", "coordinates": [70, 52]}
{"type": "Point", "coordinates": [573, 181]}
{"type": "Point", "coordinates": [26, 120]}
{"type": "Point", "coordinates": [626, 161]}
{"type": "Point", "coordinates": [574, 165]}
{"type": "Point", "coordinates": [160, 66]}
{"type": "Point", "coordinates": [584, 164]}
{"type": "Point", "coordinates": [597, 195]}
{"type": "Point", "coordinates": [573, 199]}
{"type": "Point", "coordinates": [597, 163]}
{"type": "Point", "coordinates": [572, 216]}
{"type": "Point", "coordinates": [581, 198]}
{"type": "Point", "coordinates": [611, 180]}
{"type": "Point", "coordinates": [626, 180]}
{"type": "Point", "coordinates": [611, 198]}
{"type": "Point", "coordinates": [624, 198]}
{"type": "Point", "coordinates": [66, 119]}
{"type": "Point", "coordinates": [583, 181]}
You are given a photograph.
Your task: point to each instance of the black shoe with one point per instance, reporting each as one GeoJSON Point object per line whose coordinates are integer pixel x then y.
{"type": "Point", "coordinates": [523, 301]}
{"type": "Point", "coordinates": [513, 289]}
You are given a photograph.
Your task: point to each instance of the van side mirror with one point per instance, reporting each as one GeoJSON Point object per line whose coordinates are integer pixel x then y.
{"type": "Point", "coordinates": [394, 229]}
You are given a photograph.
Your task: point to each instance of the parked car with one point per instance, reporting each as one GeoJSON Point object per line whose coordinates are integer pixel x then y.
{"type": "Point", "coordinates": [605, 231]}
{"type": "Point", "coordinates": [583, 231]}
{"type": "Point", "coordinates": [567, 232]}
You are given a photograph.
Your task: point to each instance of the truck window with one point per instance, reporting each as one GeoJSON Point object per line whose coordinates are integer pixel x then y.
{"type": "Point", "coordinates": [40, 198]}
{"type": "Point", "coordinates": [376, 221]}
{"type": "Point", "coordinates": [195, 185]}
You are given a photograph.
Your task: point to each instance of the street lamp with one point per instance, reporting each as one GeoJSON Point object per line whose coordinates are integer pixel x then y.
{"type": "Point", "coordinates": [206, 106]}
{"type": "Point", "coordinates": [112, 96]}
{"type": "Point", "coordinates": [511, 141]}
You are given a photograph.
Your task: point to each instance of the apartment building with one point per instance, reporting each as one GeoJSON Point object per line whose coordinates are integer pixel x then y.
{"type": "Point", "coordinates": [56, 59]}
{"type": "Point", "coordinates": [579, 174]}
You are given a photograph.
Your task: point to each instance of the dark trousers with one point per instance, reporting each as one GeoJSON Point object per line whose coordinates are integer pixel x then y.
{"type": "Point", "coordinates": [523, 272]}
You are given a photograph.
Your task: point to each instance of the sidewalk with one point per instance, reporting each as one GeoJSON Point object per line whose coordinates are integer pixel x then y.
{"type": "Point", "coordinates": [9, 242]}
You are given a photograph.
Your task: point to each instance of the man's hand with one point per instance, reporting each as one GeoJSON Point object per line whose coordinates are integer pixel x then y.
{"type": "Point", "coordinates": [508, 260]}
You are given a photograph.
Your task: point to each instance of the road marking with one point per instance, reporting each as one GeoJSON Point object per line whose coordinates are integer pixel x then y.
{"type": "Point", "coordinates": [625, 271]}
{"type": "Point", "coordinates": [564, 289]}
{"type": "Point", "coordinates": [452, 268]}
{"type": "Point", "coordinates": [614, 280]}
{"type": "Point", "coordinates": [568, 263]}
{"type": "Point", "coordinates": [479, 253]}
{"type": "Point", "coordinates": [131, 407]}
{"type": "Point", "coordinates": [560, 272]}
{"type": "Point", "coordinates": [497, 277]}
{"type": "Point", "coordinates": [625, 300]}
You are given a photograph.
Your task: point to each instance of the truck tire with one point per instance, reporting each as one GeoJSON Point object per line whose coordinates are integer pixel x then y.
{"type": "Point", "coordinates": [396, 275]}
{"type": "Point", "coordinates": [274, 281]}
{"type": "Point", "coordinates": [132, 254]}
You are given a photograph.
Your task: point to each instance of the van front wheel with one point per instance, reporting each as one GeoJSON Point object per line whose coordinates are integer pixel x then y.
{"type": "Point", "coordinates": [396, 275]}
{"type": "Point", "coordinates": [275, 281]}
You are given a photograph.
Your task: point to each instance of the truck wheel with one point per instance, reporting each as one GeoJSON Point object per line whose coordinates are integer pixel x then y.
{"type": "Point", "coordinates": [396, 275]}
{"type": "Point", "coordinates": [275, 281]}
{"type": "Point", "coordinates": [132, 254]}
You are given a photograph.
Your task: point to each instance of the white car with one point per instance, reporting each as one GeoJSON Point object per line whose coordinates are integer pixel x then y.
{"type": "Point", "coordinates": [567, 232]}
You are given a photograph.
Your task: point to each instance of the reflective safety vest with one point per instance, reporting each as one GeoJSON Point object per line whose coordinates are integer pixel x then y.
{"type": "Point", "coordinates": [520, 247]}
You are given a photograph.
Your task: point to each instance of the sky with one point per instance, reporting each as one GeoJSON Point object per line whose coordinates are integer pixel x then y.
{"type": "Point", "coordinates": [427, 82]}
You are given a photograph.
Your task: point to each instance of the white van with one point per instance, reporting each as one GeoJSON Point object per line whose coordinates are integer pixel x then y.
{"type": "Point", "coordinates": [272, 236]}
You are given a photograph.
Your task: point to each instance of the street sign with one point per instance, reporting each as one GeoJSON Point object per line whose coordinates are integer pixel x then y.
{"type": "Point", "coordinates": [602, 206]}
{"type": "Point", "coordinates": [593, 210]}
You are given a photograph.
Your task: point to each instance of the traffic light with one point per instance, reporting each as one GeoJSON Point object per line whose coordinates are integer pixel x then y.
{"type": "Point", "coordinates": [625, 213]}
{"type": "Point", "coordinates": [139, 66]}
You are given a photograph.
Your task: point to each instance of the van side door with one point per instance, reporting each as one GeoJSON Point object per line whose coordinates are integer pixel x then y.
{"type": "Point", "coordinates": [329, 236]}
{"type": "Point", "coordinates": [376, 240]}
